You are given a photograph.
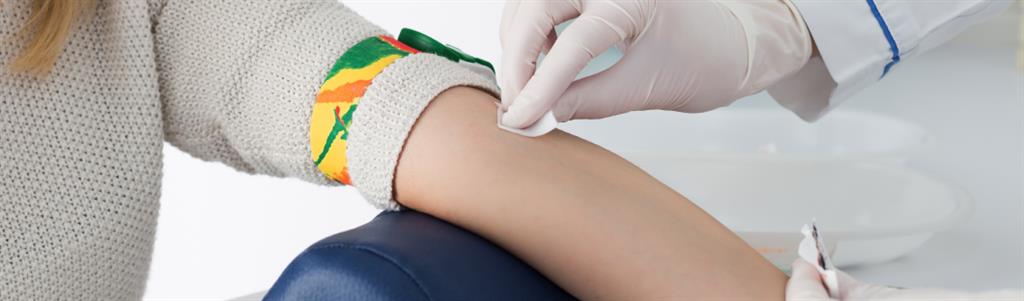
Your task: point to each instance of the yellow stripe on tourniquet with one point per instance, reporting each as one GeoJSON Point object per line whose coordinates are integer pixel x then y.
{"type": "Point", "coordinates": [338, 98]}
{"type": "Point", "coordinates": [348, 76]}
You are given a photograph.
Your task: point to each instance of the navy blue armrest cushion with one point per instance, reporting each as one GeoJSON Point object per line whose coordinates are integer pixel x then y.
{"type": "Point", "coordinates": [410, 256]}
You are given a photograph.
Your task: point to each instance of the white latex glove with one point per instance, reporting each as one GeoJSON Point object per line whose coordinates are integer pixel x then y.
{"type": "Point", "coordinates": [682, 55]}
{"type": "Point", "coordinates": [805, 285]}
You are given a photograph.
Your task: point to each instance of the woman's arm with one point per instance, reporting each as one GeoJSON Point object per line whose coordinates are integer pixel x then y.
{"type": "Point", "coordinates": [592, 222]}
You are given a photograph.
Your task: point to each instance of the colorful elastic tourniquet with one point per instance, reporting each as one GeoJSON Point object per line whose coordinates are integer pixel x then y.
{"type": "Point", "coordinates": [347, 82]}
{"type": "Point", "coordinates": [339, 96]}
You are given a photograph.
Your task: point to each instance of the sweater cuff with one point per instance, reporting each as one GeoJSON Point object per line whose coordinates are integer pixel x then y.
{"type": "Point", "coordinates": [388, 111]}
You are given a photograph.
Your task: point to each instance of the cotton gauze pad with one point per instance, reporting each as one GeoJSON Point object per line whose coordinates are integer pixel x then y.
{"type": "Point", "coordinates": [548, 123]}
{"type": "Point", "coordinates": [812, 249]}
{"type": "Point", "coordinates": [544, 125]}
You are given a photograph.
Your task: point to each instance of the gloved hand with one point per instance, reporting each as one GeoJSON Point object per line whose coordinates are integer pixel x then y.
{"type": "Point", "coordinates": [805, 285]}
{"type": "Point", "coordinates": [688, 56]}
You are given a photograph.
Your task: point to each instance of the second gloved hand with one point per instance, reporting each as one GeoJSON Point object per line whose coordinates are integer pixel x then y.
{"type": "Point", "coordinates": [688, 56]}
{"type": "Point", "coordinates": [805, 285]}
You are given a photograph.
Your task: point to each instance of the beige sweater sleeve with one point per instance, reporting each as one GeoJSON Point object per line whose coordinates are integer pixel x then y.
{"type": "Point", "coordinates": [238, 79]}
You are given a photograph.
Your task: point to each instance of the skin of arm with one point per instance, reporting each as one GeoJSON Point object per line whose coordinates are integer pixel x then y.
{"type": "Point", "coordinates": [592, 222]}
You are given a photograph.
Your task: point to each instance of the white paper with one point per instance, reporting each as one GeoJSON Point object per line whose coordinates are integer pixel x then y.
{"type": "Point", "coordinates": [544, 125]}
{"type": "Point", "coordinates": [812, 249]}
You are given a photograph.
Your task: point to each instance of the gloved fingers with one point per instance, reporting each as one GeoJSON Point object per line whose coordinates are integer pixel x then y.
{"type": "Point", "coordinates": [526, 30]}
{"type": "Point", "coordinates": [849, 287]}
{"type": "Point", "coordinates": [507, 14]}
{"type": "Point", "coordinates": [805, 283]}
{"type": "Point", "coordinates": [568, 108]}
{"type": "Point", "coordinates": [598, 96]}
{"type": "Point", "coordinates": [550, 42]}
{"type": "Point", "coordinates": [585, 38]}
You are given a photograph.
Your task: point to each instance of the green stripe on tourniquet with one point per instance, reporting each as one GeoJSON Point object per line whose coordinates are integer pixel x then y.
{"type": "Point", "coordinates": [364, 54]}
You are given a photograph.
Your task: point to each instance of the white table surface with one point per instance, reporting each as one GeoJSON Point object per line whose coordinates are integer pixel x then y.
{"type": "Point", "coordinates": [224, 234]}
{"type": "Point", "coordinates": [971, 100]}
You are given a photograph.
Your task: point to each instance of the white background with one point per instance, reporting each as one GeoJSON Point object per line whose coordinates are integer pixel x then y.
{"type": "Point", "coordinates": [224, 234]}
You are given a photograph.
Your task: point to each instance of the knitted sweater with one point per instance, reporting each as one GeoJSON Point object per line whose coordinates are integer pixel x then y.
{"type": "Point", "coordinates": [232, 81]}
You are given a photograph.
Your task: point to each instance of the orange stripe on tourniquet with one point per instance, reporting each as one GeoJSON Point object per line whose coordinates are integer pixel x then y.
{"type": "Point", "coordinates": [399, 45]}
{"type": "Point", "coordinates": [345, 93]}
{"type": "Point", "coordinates": [343, 176]}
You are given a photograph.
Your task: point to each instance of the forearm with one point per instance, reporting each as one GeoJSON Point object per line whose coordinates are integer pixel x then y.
{"type": "Point", "coordinates": [598, 226]}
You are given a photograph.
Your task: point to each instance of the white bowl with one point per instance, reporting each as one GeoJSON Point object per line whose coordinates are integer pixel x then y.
{"type": "Point", "coordinates": [866, 213]}
{"type": "Point", "coordinates": [757, 134]}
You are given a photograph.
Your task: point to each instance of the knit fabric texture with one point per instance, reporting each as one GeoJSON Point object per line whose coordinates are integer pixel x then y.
{"type": "Point", "coordinates": [380, 128]}
{"type": "Point", "coordinates": [232, 81]}
{"type": "Point", "coordinates": [339, 98]}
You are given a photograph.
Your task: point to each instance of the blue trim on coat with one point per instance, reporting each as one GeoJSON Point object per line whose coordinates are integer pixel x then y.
{"type": "Point", "coordinates": [888, 37]}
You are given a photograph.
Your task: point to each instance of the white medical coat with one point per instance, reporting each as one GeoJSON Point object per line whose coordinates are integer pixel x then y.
{"type": "Point", "coordinates": [860, 41]}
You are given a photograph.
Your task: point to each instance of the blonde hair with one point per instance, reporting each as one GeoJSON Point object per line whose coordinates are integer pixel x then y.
{"type": "Point", "coordinates": [49, 25]}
